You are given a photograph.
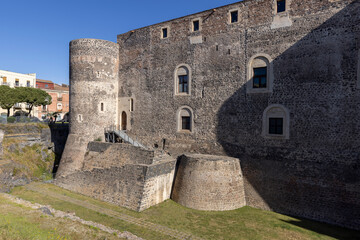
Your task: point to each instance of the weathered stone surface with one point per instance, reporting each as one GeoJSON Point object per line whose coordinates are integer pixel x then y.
{"type": "Point", "coordinates": [208, 182]}
{"type": "Point", "coordinates": [94, 81]}
{"type": "Point", "coordinates": [123, 175]}
{"type": "Point", "coordinates": [313, 49]}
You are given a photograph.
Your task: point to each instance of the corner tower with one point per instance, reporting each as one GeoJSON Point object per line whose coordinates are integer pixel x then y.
{"type": "Point", "coordinates": [94, 81]}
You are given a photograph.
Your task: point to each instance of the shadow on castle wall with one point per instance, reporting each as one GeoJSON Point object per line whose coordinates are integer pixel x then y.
{"type": "Point", "coordinates": [59, 135]}
{"type": "Point", "coordinates": [316, 173]}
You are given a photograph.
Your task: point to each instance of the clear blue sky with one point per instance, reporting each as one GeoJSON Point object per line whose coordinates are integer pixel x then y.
{"type": "Point", "coordinates": [35, 34]}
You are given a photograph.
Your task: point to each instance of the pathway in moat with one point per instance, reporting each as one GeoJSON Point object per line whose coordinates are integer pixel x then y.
{"type": "Point", "coordinates": [114, 214]}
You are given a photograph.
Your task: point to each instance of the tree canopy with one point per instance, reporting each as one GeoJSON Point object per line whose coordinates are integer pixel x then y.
{"type": "Point", "coordinates": [34, 97]}
{"type": "Point", "coordinates": [8, 98]}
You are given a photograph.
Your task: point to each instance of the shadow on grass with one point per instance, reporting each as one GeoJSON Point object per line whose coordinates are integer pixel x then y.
{"type": "Point", "coordinates": [326, 229]}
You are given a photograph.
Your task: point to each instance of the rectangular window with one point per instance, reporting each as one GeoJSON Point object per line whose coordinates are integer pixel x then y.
{"type": "Point", "coordinates": [17, 82]}
{"type": "Point", "coordinates": [183, 84]}
{"type": "Point", "coordinates": [4, 79]}
{"type": "Point", "coordinates": [281, 6]}
{"type": "Point", "coordinates": [185, 123]}
{"type": "Point", "coordinates": [164, 33]}
{"type": "Point", "coordinates": [234, 17]}
{"type": "Point", "coordinates": [46, 86]}
{"type": "Point", "coordinates": [196, 25]}
{"type": "Point", "coordinates": [259, 79]}
{"type": "Point", "coordinates": [276, 126]}
{"type": "Point", "coordinates": [28, 83]}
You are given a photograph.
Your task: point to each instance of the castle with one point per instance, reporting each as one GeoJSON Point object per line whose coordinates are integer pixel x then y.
{"type": "Point", "coordinates": [255, 103]}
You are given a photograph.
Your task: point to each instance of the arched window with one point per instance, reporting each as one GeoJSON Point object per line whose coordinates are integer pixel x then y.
{"type": "Point", "coordinates": [276, 122]}
{"type": "Point", "coordinates": [182, 80]}
{"type": "Point", "coordinates": [185, 119]}
{"type": "Point", "coordinates": [260, 74]}
{"type": "Point", "coordinates": [123, 120]}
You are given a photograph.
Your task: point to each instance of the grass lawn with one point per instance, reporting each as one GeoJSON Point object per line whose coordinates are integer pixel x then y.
{"type": "Point", "coordinates": [244, 223]}
{"type": "Point", "coordinates": [22, 223]}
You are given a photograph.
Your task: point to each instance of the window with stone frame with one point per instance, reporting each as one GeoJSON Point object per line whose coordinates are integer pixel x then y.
{"type": "Point", "coordinates": [259, 74]}
{"type": "Point", "coordinates": [182, 80]}
{"type": "Point", "coordinates": [276, 122]}
{"type": "Point", "coordinates": [164, 32]}
{"type": "Point", "coordinates": [185, 120]}
{"type": "Point", "coordinates": [234, 16]}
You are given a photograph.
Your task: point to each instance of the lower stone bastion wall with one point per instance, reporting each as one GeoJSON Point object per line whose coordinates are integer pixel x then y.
{"type": "Point", "coordinates": [137, 179]}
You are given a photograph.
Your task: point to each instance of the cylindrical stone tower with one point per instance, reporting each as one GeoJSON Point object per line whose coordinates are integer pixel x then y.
{"type": "Point", "coordinates": [93, 97]}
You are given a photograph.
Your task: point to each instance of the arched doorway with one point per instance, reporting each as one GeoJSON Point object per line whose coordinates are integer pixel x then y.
{"type": "Point", "coordinates": [123, 120]}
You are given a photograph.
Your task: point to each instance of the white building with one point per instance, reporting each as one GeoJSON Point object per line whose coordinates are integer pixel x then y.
{"type": "Point", "coordinates": [13, 80]}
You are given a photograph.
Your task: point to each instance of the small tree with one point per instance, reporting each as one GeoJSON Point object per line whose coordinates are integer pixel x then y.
{"type": "Point", "coordinates": [34, 97]}
{"type": "Point", "coordinates": [8, 98]}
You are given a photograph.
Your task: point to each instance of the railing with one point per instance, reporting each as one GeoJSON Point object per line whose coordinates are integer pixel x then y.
{"type": "Point", "coordinates": [111, 133]}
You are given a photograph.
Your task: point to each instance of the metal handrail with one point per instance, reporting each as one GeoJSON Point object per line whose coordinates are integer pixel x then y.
{"type": "Point", "coordinates": [122, 134]}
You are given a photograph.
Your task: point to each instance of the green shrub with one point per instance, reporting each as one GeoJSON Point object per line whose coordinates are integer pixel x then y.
{"type": "Point", "coordinates": [11, 119]}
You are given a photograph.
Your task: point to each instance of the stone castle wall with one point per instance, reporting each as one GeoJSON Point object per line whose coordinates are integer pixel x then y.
{"type": "Point", "coordinates": [123, 175]}
{"type": "Point", "coordinates": [94, 81]}
{"type": "Point", "coordinates": [313, 51]}
{"type": "Point", "coordinates": [207, 182]}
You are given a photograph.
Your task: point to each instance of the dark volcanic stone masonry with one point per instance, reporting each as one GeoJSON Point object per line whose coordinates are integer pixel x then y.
{"type": "Point", "coordinates": [311, 52]}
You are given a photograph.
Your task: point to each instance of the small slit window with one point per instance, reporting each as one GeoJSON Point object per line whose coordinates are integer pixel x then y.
{"type": "Point", "coordinates": [102, 107]}
{"type": "Point", "coordinates": [196, 25]}
{"type": "Point", "coordinates": [234, 16]}
{"type": "Point", "coordinates": [281, 6]}
{"type": "Point", "coordinates": [131, 104]}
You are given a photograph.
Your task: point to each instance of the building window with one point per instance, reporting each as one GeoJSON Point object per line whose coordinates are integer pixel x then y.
{"type": "Point", "coordinates": [234, 16]}
{"type": "Point", "coordinates": [46, 86]}
{"type": "Point", "coordinates": [185, 119]}
{"type": "Point", "coordinates": [4, 79]}
{"type": "Point", "coordinates": [276, 126]}
{"type": "Point", "coordinates": [185, 123]}
{"type": "Point", "coordinates": [164, 33]}
{"type": "Point", "coordinates": [102, 107]}
{"type": "Point", "coordinates": [44, 108]}
{"type": "Point", "coordinates": [17, 82]}
{"type": "Point", "coordinates": [259, 74]}
{"type": "Point", "coordinates": [59, 106]}
{"type": "Point", "coordinates": [281, 6]}
{"type": "Point", "coordinates": [80, 118]}
{"type": "Point", "coordinates": [27, 83]}
{"type": "Point", "coordinates": [259, 79]}
{"type": "Point", "coordinates": [276, 122]}
{"type": "Point", "coordinates": [182, 80]}
{"type": "Point", "coordinates": [131, 104]}
{"type": "Point", "coordinates": [183, 84]}
{"type": "Point", "coordinates": [196, 25]}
